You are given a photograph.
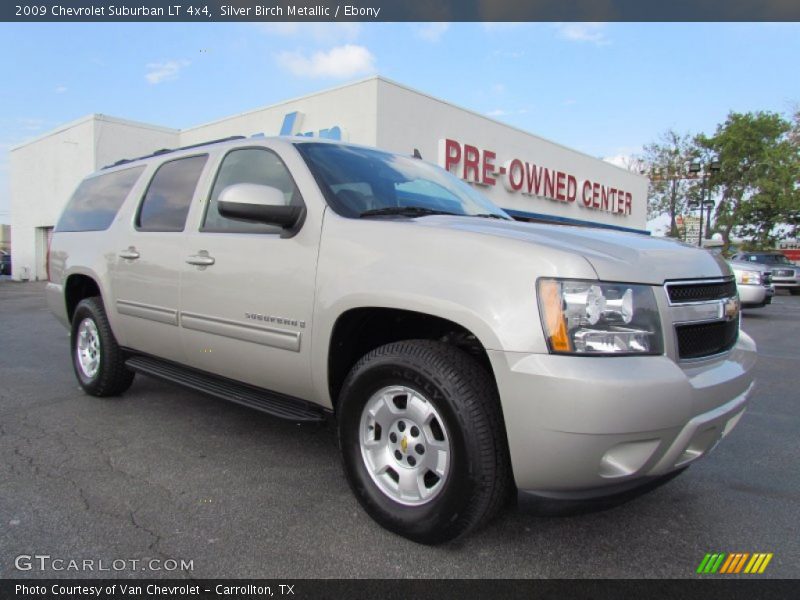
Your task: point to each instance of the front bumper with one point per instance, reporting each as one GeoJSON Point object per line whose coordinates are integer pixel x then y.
{"type": "Point", "coordinates": [754, 295]}
{"type": "Point", "coordinates": [589, 426]}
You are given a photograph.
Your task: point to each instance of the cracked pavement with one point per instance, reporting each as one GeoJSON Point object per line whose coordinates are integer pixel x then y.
{"type": "Point", "coordinates": [166, 473]}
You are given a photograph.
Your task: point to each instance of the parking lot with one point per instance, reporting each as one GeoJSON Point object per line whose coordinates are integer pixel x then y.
{"type": "Point", "coordinates": [167, 473]}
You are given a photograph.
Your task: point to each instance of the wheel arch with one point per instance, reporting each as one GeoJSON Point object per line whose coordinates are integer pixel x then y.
{"type": "Point", "coordinates": [359, 330]}
{"type": "Point", "coordinates": [77, 287]}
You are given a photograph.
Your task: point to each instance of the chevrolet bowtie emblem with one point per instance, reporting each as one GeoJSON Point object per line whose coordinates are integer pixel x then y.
{"type": "Point", "coordinates": [730, 308]}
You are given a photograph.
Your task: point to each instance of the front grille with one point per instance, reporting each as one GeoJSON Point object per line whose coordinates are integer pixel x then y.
{"type": "Point", "coordinates": [705, 339]}
{"type": "Point", "coordinates": [680, 293]}
{"type": "Point", "coordinates": [783, 272]}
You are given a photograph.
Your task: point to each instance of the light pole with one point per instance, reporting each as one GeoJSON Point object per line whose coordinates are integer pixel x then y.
{"type": "Point", "coordinates": [695, 169]}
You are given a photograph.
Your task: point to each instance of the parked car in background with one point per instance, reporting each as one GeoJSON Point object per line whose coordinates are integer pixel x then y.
{"type": "Point", "coordinates": [784, 274]}
{"type": "Point", "coordinates": [754, 282]}
{"type": "Point", "coordinates": [5, 263]}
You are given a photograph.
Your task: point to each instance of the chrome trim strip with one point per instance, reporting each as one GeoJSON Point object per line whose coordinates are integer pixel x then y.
{"type": "Point", "coordinates": [266, 336]}
{"type": "Point", "coordinates": [150, 312]}
{"type": "Point", "coordinates": [711, 310]}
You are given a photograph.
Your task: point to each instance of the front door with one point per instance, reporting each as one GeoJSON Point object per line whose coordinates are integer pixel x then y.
{"type": "Point", "coordinates": [247, 288]}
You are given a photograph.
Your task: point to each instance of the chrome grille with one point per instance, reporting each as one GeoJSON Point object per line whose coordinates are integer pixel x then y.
{"type": "Point", "coordinates": [700, 291]}
{"type": "Point", "coordinates": [705, 316]}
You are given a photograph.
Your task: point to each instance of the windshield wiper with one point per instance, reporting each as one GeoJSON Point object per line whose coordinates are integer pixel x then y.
{"type": "Point", "coordinates": [406, 211]}
{"type": "Point", "coordinates": [490, 216]}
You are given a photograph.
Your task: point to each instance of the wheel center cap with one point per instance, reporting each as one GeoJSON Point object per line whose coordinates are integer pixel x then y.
{"type": "Point", "coordinates": [404, 444]}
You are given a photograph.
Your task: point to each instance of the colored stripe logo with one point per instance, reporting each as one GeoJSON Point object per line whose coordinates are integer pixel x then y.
{"type": "Point", "coordinates": [734, 562]}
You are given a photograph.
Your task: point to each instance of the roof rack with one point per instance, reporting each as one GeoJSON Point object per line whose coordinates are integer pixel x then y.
{"type": "Point", "coordinates": [163, 151]}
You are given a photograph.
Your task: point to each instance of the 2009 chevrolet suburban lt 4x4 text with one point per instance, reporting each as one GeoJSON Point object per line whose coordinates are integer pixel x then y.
{"type": "Point", "coordinates": [464, 355]}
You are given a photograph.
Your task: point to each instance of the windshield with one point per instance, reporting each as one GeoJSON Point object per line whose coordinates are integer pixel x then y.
{"type": "Point", "coordinates": [769, 259]}
{"type": "Point", "coordinates": [364, 182]}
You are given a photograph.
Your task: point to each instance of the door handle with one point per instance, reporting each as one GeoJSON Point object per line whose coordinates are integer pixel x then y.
{"type": "Point", "coordinates": [130, 254]}
{"type": "Point", "coordinates": [201, 260]}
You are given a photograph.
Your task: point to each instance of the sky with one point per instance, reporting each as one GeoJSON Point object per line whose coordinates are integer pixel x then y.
{"type": "Point", "coordinates": [604, 89]}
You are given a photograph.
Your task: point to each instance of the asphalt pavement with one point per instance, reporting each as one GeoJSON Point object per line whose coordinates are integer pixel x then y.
{"type": "Point", "coordinates": [169, 474]}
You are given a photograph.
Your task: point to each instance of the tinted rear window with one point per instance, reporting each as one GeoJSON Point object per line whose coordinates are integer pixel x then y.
{"type": "Point", "coordinates": [169, 195]}
{"type": "Point", "coordinates": [95, 203]}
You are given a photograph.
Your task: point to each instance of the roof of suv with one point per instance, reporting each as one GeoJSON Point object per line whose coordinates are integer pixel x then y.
{"type": "Point", "coordinates": [229, 141]}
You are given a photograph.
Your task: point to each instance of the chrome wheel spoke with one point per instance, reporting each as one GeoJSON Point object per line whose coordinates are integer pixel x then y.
{"type": "Point", "coordinates": [377, 460]}
{"type": "Point", "coordinates": [88, 348]}
{"type": "Point", "coordinates": [410, 484]}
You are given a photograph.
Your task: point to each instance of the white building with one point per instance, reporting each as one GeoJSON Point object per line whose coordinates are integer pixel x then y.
{"type": "Point", "coordinates": [530, 177]}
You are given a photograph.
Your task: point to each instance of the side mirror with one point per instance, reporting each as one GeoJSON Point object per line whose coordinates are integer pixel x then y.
{"type": "Point", "coordinates": [260, 203]}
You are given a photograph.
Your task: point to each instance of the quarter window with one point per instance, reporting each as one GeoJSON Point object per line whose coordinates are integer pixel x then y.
{"type": "Point", "coordinates": [249, 165]}
{"type": "Point", "coordinates": [169, 195]}
{"type": "Point", "coordinates": [97, 200]}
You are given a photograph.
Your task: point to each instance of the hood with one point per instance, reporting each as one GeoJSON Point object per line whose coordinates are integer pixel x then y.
{"type": "Point", "coordinates": [614, 255]}
{"type": "Point", "coordinates": [748, 266]}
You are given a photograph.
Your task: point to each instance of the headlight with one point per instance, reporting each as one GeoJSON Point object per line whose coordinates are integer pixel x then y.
{"type": "Point", "coordinates": [590, 317]}
{"type": "Point", "coordinates": [748, 277]}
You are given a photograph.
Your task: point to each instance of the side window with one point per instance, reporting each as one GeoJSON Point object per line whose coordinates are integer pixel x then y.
{"type": "Point", "coordinates": [249, 165]}
{"type": "Point", "coordinates": [167, 200]}
{"type": "Point", "coordinates": [97, 200]}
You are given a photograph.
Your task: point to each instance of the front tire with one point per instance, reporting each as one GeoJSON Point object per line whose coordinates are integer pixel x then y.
{"type": "Point", "coordinates": [98, 361]}
{"type": "Point", "coordinates": [423, 441]}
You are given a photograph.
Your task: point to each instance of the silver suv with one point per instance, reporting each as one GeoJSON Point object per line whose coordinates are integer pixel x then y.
{"type": "Point", "coordinates": [463, 355]}
{"type": "Point", "coordinates": [784, 274]}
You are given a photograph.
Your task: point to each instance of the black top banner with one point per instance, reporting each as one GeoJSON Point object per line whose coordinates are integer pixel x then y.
{"type": "Point", "coordinates": [400, 10]}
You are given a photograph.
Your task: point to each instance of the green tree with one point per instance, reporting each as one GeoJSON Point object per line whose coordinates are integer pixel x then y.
{"type": "Point", "coordinates": [666, 160]}
{"type": "Point", "coordinates": [757, 181]}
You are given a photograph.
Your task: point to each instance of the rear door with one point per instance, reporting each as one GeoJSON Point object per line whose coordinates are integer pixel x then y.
{"type": "Point", "coordinates": [248, 288]}
{"type": "Point", "coordinates": [149, 260]}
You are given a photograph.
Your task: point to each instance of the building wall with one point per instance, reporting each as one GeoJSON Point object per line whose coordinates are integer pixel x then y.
{"type": "Point", "coordinates": [116, 139]}
{"type": "Point", "coordinates": [410, 120]}
{"type": "Point", "coordinates": [40, 173]}
{"type": "Point", "coordinates": [352, 108]}
{"type": "Point", "coordinates": [46, 171]}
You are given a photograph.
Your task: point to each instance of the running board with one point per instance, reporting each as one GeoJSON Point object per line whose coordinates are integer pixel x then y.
{"type": "Point", "coordinates": [273, 403]}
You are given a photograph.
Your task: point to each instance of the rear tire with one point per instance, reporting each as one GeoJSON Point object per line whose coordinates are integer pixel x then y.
{"type": "Point", "coordinates": [98, 361]}
{"type": "Point", "coordinates": [794, 291]}
{"type": "Point", "coordinates": [423, 442]}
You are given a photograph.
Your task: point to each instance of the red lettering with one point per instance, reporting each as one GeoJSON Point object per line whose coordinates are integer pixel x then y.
{"type": "Point", "coordinates": [515, 181]}
{"type": "Point", "coordinates": [604, 197]}
{"type": "Point", "coordinates": [595, 195]}
{"type": "Point", "coordinates": [572, 188]}
{"type": "Point", "coordinates": [549, 183]}
{"type": "Point", "coordinates": [628, 201]}
{"type": "Point", "coordinates": [613, 199]}
{"type": "Point", "coordinates": [534, 178]}
{"type": "Point", "coordinates": [587, 196]}
{"type": "Point", "coordinates": [471, 160]}
{"type": "Point", "coordinates": [488, 167]}
{"type": "Point", "coordinates": [452, 154]}
{"type": "Point", "coordinates": [561, 186]}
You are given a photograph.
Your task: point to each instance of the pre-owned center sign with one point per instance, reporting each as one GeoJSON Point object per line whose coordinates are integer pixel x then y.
{"type": "Point", "coordinates": [481, 166]}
